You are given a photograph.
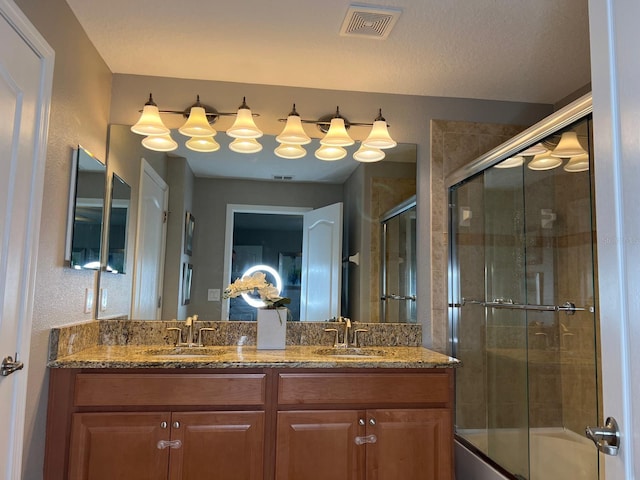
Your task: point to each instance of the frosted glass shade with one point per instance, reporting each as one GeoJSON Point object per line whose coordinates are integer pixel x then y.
{"type": "Point", "coordinates": [379, 136]}
{"type": "Point", "coordinates": [337, 135]}
{"type": "Point", "coordinates": [293, 133]}
{"type": "Point", "coordinates": [245, 145]}
{"type": "Point", "coordinates": [202, 144]}
{"type": "Point", "coordinates": [160, 143]}
{"type": "Point", "coordinates": [536, 149]}
{"type": "Point", "coordinates": [569, 146]}
{"type": "Point", "coordinates": [544, 161]}
{"type": "Point", "coordinates": [367, 154]}
{"type": "Point", "coordinates": [290, 151]}
{"type": "Point", "coordinates": [511, 162]}
{"type": "Point", "coordinates": [244, 126]}
{"type": "Point", "coordinates": [579, 163]}
{"type": "Point", "coordinates": [197, 124]}
{"type": "Point", "coordinates": [330, 153]}
{"type": "Point", "coordinates": [150, 122]}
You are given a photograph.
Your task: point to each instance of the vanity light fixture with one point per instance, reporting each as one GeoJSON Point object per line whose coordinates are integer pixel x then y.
{"type": "Point", "coordinates": [150, 122]}
{"type": "Point", "coordinates": [379, 136]}
{"type": "Point", "coordinates": [337, 135]}
{"type": "Point", "coordinates": [202, 144]}
{"type": "Point", "coordinates": [534, 150]}
{"type": "Point", "coordinates": [244, 126]}
{"type": "Point", "coordinates": [292, 138]}
{"type": "Point", "coordinates": [290, 151]}
{"type": "Point", "coordinates": [245, 145]}
{"type": "Point", "coordinates": [197, 125]}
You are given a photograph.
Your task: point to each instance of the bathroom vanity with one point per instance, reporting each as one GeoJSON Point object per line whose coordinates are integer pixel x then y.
{"type": "Point", "coordinates": [246, 414]}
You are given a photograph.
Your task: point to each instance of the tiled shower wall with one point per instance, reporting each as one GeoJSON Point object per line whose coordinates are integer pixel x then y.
{"type": "Point", "coordinates": [453, 144]}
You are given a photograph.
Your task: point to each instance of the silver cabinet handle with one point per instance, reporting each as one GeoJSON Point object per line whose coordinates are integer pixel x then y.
{"type": "Point", "coordinates": [162, 444]}
{"type": "Point", "coordinates": [176, 424]}
{"type": "Point", "coordinates": [361, 422]}
{"type": "Point", "coordinates": [366, 439]}
{"type": "Point", "coordinates": [163, 425]}
{"type": "Point", "coordinates": [606, 438]}
{"type": "Point", "coordinates": [372, 421]}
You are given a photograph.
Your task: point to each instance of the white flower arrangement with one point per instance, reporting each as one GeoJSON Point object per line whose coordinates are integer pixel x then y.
{"type": "Point", "coordinates": [257, 283]}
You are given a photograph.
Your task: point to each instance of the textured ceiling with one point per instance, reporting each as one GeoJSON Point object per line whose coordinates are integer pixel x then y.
{"type": "Point", "coordinates": [519, 50]}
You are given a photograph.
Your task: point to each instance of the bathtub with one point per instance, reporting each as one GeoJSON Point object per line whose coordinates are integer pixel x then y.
{"type": "Point", "coordinates": [554, 453]}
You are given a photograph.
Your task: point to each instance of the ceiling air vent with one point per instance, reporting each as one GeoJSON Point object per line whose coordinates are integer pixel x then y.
{"type": "Point", "coordinates": [283, 177]}
{"type": "Point", "coordinates": [369, 22]}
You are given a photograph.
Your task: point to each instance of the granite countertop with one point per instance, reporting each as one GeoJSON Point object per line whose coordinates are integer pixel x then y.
{"type": "Point", "coordinates": [247, 356]}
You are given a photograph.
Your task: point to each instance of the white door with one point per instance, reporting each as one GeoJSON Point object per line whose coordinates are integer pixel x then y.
{"type": "Point", "coordinates": [614, 33]}
{"type": "Point", "coordinates": [26, 67]}
{"type": "Point", "coordinates": [321, 280]}
{"type": "Point", "coordinates": [153, 201]}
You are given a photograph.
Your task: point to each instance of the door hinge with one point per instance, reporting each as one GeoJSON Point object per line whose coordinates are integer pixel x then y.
{"type": "Point", "coordinates": [160, 301]}
{"type": "Point", "coordinates": [165, 216]}
{"type": "Point", "coordinates": [9, 366]}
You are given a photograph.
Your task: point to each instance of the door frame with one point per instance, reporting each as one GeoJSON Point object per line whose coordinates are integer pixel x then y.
{"type": "Point", "coordinates": [21, 24]}
{"type": "Point", "coordinates": [616, 101]}
{"type": "Point", "coordinates": [232, 209]}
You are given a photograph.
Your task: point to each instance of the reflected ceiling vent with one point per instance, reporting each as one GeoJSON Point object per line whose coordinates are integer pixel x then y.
{"type": "Point", "coordinates": [369, 22]}
{"type": "Point", "coordinates": [283, 177]}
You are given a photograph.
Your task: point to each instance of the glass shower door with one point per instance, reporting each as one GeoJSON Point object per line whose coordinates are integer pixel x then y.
{"type": "Point", "coordinates": [523, 313]}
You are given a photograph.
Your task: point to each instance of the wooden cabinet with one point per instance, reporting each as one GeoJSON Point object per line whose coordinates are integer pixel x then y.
{"type": "Point", "coordinates": [184, 445]}
{"type": "Point", "coordinates": [271, 424]}
{"type": "Point", "coordinates": [413, 443]}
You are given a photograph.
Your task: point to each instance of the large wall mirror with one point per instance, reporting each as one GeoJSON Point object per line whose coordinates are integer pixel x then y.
{"type": "Point", "coordinates": [204, 185]}
{"type": "Point", "coordinates": [118, 229]}
{"type": "Point", "coordinates": [86, 211]}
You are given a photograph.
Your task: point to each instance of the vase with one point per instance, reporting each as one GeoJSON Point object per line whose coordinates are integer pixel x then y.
{"type": "Point", "coordinates": [272, 328]}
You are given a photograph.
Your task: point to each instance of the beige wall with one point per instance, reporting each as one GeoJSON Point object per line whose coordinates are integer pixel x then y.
{"type": "Point", "coordinates": [79, 115]}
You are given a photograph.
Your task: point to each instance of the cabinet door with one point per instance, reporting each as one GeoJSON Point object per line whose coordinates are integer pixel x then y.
{"type": "Point", "coordinates": [411, 444]}
{"type": "Point", "coordinates": [319, 445]}
{"type": "Point", "coordinates": [123, 446]}
{"type": "Point", "coordinates": [217, 445]}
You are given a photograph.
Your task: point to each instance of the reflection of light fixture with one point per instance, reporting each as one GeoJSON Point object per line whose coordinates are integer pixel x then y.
{"type": "Point", "coordinates": [379, 136]}
{"type": "Point", "coordinates": [202, 144]}
{"type": "Point", "coordinates": [533, 150]}
{"type": "Point", "coordinates": [330, 153]}
{"type": "Point", "coordinates": [150, 122]}
{"type": "Point", "coordinates": [290, 151]}
{"type": "Point", "coordinates": [544, 161]}
{"type": "Point", "coordinates": [579, 163]}
{"type": "Point", "coordinates": [244, 126]}
{"type": "Point", "coordinates": [261, 268]}
{"type": "Point", "coordinates": [337, 135]}
{"type": "Point", "coordinates": [245, 145]}
{"type": "Point", "coordinates": [569, 146]}
{"type": "Point", "coordinates": [293, 133]}
{"type": "Point", "coordinates": [159, 143]}
{"type": "Point", "coordinates": [511, 162]}
{"type": "Point", "coordinates": [368, 154]}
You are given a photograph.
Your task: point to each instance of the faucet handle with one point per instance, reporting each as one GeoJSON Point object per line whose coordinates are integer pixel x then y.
{"type": "Point", "coordinates": [176, 329]}
{"type": "Point", "coordinates": [200, 334]}
{"type": "Point", "coordinates": [335, 342]}
{"type": "Point", "coordinates": [355, 336]}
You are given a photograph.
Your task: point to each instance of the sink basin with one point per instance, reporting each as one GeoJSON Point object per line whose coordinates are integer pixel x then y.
{"type": "Point", "coordinates": [350, 352]}
{"type": "Point", "coordinates": [183, 352]}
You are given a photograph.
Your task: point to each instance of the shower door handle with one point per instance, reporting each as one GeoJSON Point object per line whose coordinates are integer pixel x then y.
{"type": "Point", "coordinates": [606, 438]}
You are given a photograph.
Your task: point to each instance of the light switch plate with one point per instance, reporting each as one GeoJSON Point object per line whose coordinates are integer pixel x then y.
{"type": "Point", "coordinates": [213, 295]}
{"type": "Point", "coordinates": [88, 300]}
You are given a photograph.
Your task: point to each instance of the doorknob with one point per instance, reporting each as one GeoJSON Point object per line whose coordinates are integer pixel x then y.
{"type": "Point", "coordinates": [9, 365]}
{"type": "Point", "coordinates": [606, 438]}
